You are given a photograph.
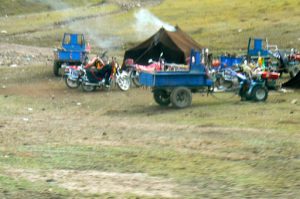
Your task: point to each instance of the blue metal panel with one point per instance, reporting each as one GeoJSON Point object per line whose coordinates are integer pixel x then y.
{"type": "Point", "coordinates": [230, 61]}
{"type": "Point", "coordinates": [173, 79]}
{"type": "Point", "coordinates": [257, 48]}
{"type": "Point", "coordinates": [74, 42]}
{"type": "Point", "coordinates": [258, 44]}
{"type": "Point", "coordinates": [70, 56]}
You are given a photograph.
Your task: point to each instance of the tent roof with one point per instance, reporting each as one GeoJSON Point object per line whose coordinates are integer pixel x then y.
{"type": "Point", "coordinates": [176, 41]}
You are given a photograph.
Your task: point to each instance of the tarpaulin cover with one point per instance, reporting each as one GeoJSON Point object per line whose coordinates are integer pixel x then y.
{"type": "Point", "coordinates": [293, 83]}
{"type": "Point", "coordinates": [175, 46]}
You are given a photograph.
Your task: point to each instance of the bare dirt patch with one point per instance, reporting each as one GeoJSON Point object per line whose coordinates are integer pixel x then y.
{"type": "Point", "coordinates": [96, 182]}
{"type": "Point", "coordinates": [21, 55]}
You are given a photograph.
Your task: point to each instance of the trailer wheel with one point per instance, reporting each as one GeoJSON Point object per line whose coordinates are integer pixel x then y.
{"type": "Point", "coordinates": [259, 93]}
{"type": "Point", "coordinates": [161, 97]}
{"type": "Point", "coordinates": [181, 97]}
{"type": "Point", "coordinates": [56, 67]}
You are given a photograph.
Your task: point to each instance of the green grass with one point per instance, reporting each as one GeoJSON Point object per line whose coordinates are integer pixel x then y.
{"type": "Point", "coordinates": [265, 177]}
{"type": "Point", "coordinates": [42, 21]}
{"type": "Point", "coordinates": [215, 23]}
{"type": "Point", "coordinates": [19, 188]}
{"type": "Point", "coordinates": [219, 25]}
{"type": "Point", "coordinates": [218, 148]}
{"type": "Point", "coordinates": [18, 7]}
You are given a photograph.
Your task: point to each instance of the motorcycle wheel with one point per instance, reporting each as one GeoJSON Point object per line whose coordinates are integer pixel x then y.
{"type": "Point", "coordinates": [72, 84]}
{"type": "Point", "coordinates": [88, 88]}
{"type": "Point", "coordinates": [134, 76]}
{"type": "Point", "coordinates": [123, 82]}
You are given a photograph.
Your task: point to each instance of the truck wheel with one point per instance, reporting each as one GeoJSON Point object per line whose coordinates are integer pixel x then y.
{"type": "Point", "coordinates": [294, 70]}
{"type": "Point", "coordinates": [56, 67]}
{"type": "Point", "coordinates": [181, 97]}
{"type": "Point", "coordinates": [259, 93]}
{"type": "Point", "coordinates": [161, 97]}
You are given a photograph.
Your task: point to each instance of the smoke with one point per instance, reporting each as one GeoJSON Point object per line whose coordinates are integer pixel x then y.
{"type": "Point", "coordinates": [146, 23]}
{"type": "Point", "coordinates": [93, 34]}
{"type": "Point", "coordinates": [97, 39]}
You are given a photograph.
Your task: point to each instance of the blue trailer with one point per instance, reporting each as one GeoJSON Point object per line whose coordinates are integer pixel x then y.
{"type": "Point", "coordinates": [176, 87]}
{"type": "Point", "coordinates": [73, 51]}
{"type": "Point", "coordinates": [229, 61]}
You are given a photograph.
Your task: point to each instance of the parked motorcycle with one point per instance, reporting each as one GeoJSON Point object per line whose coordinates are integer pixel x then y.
{"type": "Point", "coordinates": [134, 69]}
{"type": "Point", "coordinates": [72, 76]}
{"type": "Point", "coordinates": [78, 75]}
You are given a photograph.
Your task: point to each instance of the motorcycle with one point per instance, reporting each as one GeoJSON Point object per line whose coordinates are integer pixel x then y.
{"type": "Point", "coordinates": [134, 69]}
{"type": "Point", "coordinates": [71, 76]}
{"type": "Point", "coordinates": [78, 75]}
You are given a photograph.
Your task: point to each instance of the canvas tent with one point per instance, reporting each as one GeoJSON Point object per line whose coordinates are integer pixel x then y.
{"type": "Point", "coordinates": [293, 83]}
{"type": "Point", "coordinates": [175, 46]}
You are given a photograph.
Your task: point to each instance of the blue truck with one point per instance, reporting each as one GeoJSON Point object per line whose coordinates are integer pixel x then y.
{"type": "Point", "coordinates": [176, 87]}
{"type": "Point", "coordinates": [72, 51]}
{"type": "Point", "coordinates": [277, 60]}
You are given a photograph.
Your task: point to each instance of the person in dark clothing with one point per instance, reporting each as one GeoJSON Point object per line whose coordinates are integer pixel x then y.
{"type": "Point", "coordinates": [97, 70]}
{"type": "Point", "coordinates": [105, 73]}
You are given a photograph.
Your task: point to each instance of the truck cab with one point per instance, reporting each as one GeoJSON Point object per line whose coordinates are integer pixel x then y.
{"type": "Point", "coordinates": [73, 50]}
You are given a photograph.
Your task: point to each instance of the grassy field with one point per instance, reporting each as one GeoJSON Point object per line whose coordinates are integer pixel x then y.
{"type": "Point", "coordinates": [228, 24]}
{"type": "Point", "coordinates": [18, 7]}
{"type": "Point", "coordinates": [220, 25]}
{"type": "Point", "coordinates": [62, 143]}
{"type": "Point", "coordinates": [52, 137]}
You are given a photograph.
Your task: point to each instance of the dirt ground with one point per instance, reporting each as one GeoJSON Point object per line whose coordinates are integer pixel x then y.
{"type": "Point", "coordinates": [14, 55]}
{"type": "Point", "coordinates": [42, 111]}
{"type": "Point", "coordinates": [95, 182]}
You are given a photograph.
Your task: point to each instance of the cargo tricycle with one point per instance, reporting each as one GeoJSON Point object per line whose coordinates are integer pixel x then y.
{"type": "Point", "coordinates": [176, 87]}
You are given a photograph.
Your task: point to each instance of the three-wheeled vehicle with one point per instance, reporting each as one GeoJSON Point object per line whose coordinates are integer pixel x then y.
{"type": "Point", "coordinates": [73, 51]}
{"type": "Point", "coordinates": [286, 61]}
{"type": "Point", "coordinates": [176, 87]}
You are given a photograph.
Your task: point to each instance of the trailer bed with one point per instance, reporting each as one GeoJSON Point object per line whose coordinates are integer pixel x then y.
{"type": "Point", "coordinates": [175, 79]}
